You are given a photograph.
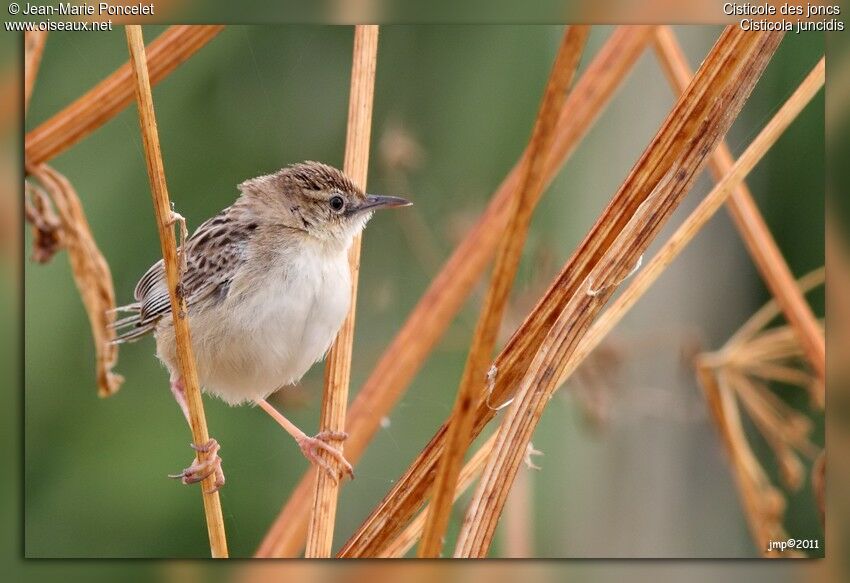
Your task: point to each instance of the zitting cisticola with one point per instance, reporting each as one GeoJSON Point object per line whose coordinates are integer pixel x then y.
{"type": "Point", "coordinates": [267, 286]}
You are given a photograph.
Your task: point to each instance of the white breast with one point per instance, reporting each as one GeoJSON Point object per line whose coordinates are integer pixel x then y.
{"type": "Point", "coordinates": [269, 332]}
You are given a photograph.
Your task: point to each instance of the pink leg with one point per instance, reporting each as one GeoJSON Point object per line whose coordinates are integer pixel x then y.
{"type": "Point", "coordinates": [310, 446]}
{"type": "Point", "coordinates": [179, 393]}
{"type": "Point", "coordinates": [199, 470]}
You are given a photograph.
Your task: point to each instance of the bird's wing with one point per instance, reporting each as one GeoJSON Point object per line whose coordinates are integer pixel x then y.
{"type": "Point", "coordinates": [214, 254]}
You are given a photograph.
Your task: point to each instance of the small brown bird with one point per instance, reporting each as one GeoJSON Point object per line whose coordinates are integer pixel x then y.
{"type": "Point", "coordinates": [267, 286]}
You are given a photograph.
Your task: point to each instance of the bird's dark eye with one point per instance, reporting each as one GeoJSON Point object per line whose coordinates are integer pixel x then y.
{"type": "Point", "coordinates": [337, 203]}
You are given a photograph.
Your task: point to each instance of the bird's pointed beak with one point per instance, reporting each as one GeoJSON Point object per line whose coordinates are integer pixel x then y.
{"type": "Point", "coordinates": [376, 201]}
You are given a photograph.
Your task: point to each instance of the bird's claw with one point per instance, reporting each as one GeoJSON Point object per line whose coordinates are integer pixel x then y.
{"type": "Point", "coordinates": [200, 470]}
{"type": "Point", "coordinates": [310, 447]}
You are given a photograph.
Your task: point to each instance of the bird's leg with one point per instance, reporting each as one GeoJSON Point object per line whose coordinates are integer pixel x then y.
{"type": "Point", "coordinates": [310, 446]}
{"type": "Point", "coordinates": [199, 470]}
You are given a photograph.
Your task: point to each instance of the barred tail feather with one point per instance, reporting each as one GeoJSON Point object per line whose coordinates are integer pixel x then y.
{"type": "Point", "coordinates": [130, 328]}
{"type": "Point", "coordinates": [134, 334]}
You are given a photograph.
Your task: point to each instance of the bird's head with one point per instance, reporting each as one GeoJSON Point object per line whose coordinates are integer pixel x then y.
{"type": "Point", "coordinates": [316, 199]}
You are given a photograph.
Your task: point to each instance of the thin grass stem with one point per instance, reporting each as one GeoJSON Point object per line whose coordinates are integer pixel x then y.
{"type": "Point", "coordinates": [338, 368]}
{"type": "Point", "coordinates": [168, 244]}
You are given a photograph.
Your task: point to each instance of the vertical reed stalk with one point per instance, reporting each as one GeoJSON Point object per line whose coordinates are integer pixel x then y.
{"type": "Point", "coordinates": [528, 193]}
{"type": "Point", "coordinates": [338, 368]}
{"type": "Point", "coordinates": [750, 223]}
{"type": "Point", "coordinates": [450, 288]}
{"type": "Point", "coordinates": [165, 226]}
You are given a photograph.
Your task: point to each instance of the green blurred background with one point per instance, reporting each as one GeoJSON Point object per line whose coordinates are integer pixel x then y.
{"type": "Point", "coordinates": [454, 107]}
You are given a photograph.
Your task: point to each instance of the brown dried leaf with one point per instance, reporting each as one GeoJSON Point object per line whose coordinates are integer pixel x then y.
{"type": "Point", "coordinates": [91, 272]}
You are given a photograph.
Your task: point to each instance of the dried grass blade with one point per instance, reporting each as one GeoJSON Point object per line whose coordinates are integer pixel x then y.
{"type": "Point", "coordinates": [168, 244]}
{"type": "Point", "coordinates": [652, 191]}
{"type": "Point", "coordinates": [70, 229]}
{"type": "Point", "coordinates": [445, 296]}
{"type": "Point", "coordinates": [750, 223]}
{"type": "Point", "coordinates": [109, 97]}
{"type": "Point", "coordinates": [504, 272]}
{"type": "Point", "coordinates": [338, 368]}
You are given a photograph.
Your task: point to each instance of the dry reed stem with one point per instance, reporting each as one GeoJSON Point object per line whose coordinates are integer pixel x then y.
{"type": "Point", "coordinates": [522, 205]}
{"type": "Point", "coordinates": [692, 225]}
{"type": "Point", "coordinates": [338, 368]}
{"type": "Point", "coordinates": [658, 182]}
{"type": "Point", "coordinates": [34, 41]}
{"type": "Point", "coordinates": [399, 546]}
{"type": "Point", "coordinates": [750, 223]}
{"type": "Point", "coordinates": [109, 97]}
{"type": "Point", "coordinates": [447, 293]}
{"type": "Point", "coordinates": [406, 496]}
{"type": "Point", "coordinates": [69, 228]}
{"type": "Point", "coordinates": [168, 244]}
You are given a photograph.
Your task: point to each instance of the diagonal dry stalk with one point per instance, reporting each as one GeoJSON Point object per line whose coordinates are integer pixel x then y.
{"type": "Point", "coordinates": [168, 244]}
{"type": "Point", "coordinates": [68, 228]}
{"type": "Point", "coordinates": [692, 225]}
{"type": "Point", "coordinates": [658, 182]}
{"type": "Point", "coordinates": [399, 546]}
{"type": "Point", "coordinates": [33, 48]}
{"type": "Point", "coordinates": [762, 503]}
{"type": "Point", "coordinates": [338, 368]}
{"type": "Point", "coordinates": [649, 274]}
{"type": "Point", "coordinates": [750, 223]}
{"type": "Point", "coordinates": [446, 294]}
{"type": "Point", "coordinates": [722, 85]}
{"type": "Point", "coordinates": [113, 94]}
{"type": "Point", "coordinates": [522, 205]}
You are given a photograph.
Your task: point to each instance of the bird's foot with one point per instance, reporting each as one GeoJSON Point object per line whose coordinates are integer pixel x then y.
{"type": "Point", "coordinates": [310, 447]}
{"type": "Point", "coordinates": [200, 470]}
